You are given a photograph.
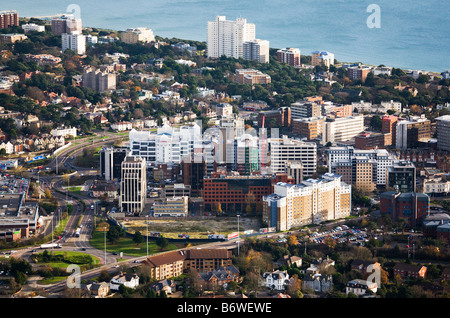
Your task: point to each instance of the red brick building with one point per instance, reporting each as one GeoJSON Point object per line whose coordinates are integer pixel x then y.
{"type": "Point", "coordinates": [233, 193]}
{"type": "Point", "coordinates": [411, 206]}
{"type": "Point", "coordinates": [367, 141]}
{"type": "Point", "coordinates": [409, 270]}
{"type": "Point", "coordinates": [8, 18]}
{"type": "Point", "coordinates": [389, 125]}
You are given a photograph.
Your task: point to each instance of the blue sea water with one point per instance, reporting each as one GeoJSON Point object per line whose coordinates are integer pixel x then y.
{"type": "Point", "coordinates": [412, 35]}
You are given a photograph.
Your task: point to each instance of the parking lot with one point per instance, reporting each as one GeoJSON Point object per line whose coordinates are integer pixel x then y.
{"type": "Point", "coordinates": [341, 234]}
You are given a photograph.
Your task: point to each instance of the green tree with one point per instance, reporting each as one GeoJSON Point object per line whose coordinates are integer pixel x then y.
{"type": "Point", "coordinates": [138, 238]}
{"type": "Point", "coordinates": [162, 242]}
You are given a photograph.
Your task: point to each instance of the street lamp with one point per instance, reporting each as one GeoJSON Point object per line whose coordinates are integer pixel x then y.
{"type": "Point", "coordinates": [104, 230]}
{"type": "Point", "coordinates": [239, 236]}
{"type": "Point", "coordinates": [147, 233]}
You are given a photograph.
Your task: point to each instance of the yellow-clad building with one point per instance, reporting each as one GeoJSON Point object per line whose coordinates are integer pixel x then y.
{"type": "Point", "coordinates": [310, 202]}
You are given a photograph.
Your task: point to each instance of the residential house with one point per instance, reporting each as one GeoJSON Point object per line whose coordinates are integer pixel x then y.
{"type": "Point", "coordinates": [166, 285]}
{"type": "Point", "coordinates": [99, 290]}
{"type": "Point", "coordinates": [317, 282]}
{"type": "Point", "coordinates": [364, 267]}
{"type": "Point", "coordinates": [360, 287]}
{"type": "Point", "coordinates": [289, 261]}
{"type": "Point", "coordinates": [219, 277]}
{"type": "Point", "coordinates": [409, 270]}
{"type": "Point", "coordinates": [128, 280]}
{"type": "Point", "coordinates": [277, 280]}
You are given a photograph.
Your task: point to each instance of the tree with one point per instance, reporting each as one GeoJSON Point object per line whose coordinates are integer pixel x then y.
{"type": "Point", "coordinates": [138, 238]}
{"type": "Point", "coordinates": [162, 242]}
{"type": "Point", "coordinates": [48, 194]}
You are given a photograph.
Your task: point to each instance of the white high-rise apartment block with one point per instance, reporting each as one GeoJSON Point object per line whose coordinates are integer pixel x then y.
{"type": "Point", "coordinates": [133, 185]}
{"type": "Point", "coordinates": [286, 149]}
{"type": "Point", "coordinates": [256, 50]}
{"type": "Point", "coordinates": [226, 37]}
{"type": "Point", "coordinates": [342, 129]}
{"type": "Point", "coordinates": [74, 41]}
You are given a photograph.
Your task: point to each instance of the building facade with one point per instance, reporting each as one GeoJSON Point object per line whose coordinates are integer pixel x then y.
{"type": "Point", "coordinates": [226, 37]}
{"type": "Point", "coordinates": [310, 202]}
{"type": "Point", "coordinates": [133, 185]}
{"type": "Point", "coordinates": [290, 56]}
{"type": "Point", "coordinates": [256, 50]}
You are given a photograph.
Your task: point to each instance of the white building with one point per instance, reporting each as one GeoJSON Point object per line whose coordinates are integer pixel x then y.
{"type": "Point", "coordinates": [286, 149]}
{"type": "Point", "coordinates": [277, 280]}
{"type": "Point", "coordinates": [391, 105]}
{"type": "Point", "coordinates": [256, 50]}
{"type": "Point", "coordinates": [135, 35]}
{"type": "Point", "coordinates": [227, 37]}
{"type": "Point", "coordinates": [64, 132]}
{"type": "Point", "coordinates": [362, 106]}
{"type": "Point", "coordinates": [122, 126]}
{"type": "Point", "coordinates": [360, 287]}
{"type": "Point", "coordinates": [74, 41]}
{"type": "Point", "coordinates": [168, 144]}
{"type": "Point", "coordinates": [342, 129]}
{"type": "Point", "coordinates": [322, 58]}
{"type": "Point", "coordinates": [436, 186]}
{"type": "Point", "coordinates": [33, 27]}
{"type": "Point", "coordinates": [128, 280]}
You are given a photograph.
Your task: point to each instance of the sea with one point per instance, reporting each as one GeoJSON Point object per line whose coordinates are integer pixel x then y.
{"type": "Point", "coordinates": [407, 34]}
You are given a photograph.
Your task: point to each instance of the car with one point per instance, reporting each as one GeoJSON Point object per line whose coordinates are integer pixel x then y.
{"type": "Point", "coordinates": [114, 253]}
{"type": "Point", "coordinates": [136, 261]}
{"type": "Point", "coordinates": [115, 266]}
{"type": "Point", "coordinates": [83, 248]}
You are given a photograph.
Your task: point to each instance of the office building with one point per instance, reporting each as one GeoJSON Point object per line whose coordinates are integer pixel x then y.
{"type": "Point", "coordinates": [227, 37]}
{"type": "Point", "coordinates": [305, 109]}
{"type": "Point", "coordinates": [322, 58]}
{"type": "Point", "coordinates": [168, 144]}
{"type": "Point", "coordinates": [367, 141]}
{"type": "Point", "coordinates": [311, 128]}
{"type": "Point", "coordinates": [342, 128]}
{"type": "Point", "coordinates": [133, 185]}
{"type": "Point", "coordinates": [411, 206]}
{"type": "Point", "coordinates": [342, 160]}
{"type": "Point", "coordinates": [230, 194]}
{"type": "Point", "coordinates": [8, 18]}
{"type": "Point", "coordinates": [280, 117]}
{"type": "Point", "coordinates": [411, 132]}
{"type": "Point", "coordinates": [135, 35]}
{"type": "Point", "coordinates": [66, 24]}
{"type": "Point", "coordinates": [389, 126]}
{"type": "Point", "coordinates": [401, 176]}
{"type": "Point", "coordinates": [311, 202]}
{"type": "Point", "coordinates": [171, 207]}
{"type": "Point", "coordinates": [256, 50]}
{"type": "Point", "coordinates": [193, 173]}
{"type": "Point", "coordinates": [286, 149]}
{"type": "Point", "coordinates": [290, 56]}
{"type": "Point", "coordinates": [74, 41]}
{"type": "Point", "coordinates": [443, 132]}
{"type": "Point", "coordinates": [111, 162]}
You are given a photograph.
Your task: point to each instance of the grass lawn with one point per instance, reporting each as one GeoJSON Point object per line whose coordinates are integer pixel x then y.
{"type": "Point", "coordinates": [127, 246]}
{"type": "Point", "coordinates": [67, 256]}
